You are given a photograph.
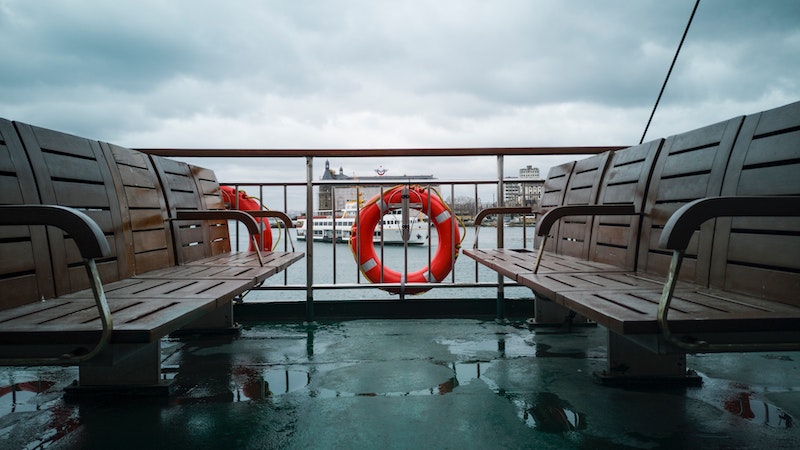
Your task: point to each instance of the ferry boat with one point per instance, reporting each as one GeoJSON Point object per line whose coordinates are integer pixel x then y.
{"type": "Point", "coordinates": [388, 230]}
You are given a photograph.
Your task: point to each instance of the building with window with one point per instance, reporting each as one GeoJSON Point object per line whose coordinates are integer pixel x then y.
{"type": "Point", "coordinates": [527, 191]}
{"type": "Point", "coordinates": [333, 197]}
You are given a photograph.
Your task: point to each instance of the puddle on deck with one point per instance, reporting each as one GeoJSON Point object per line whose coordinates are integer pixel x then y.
{"type": "Point", "coordinates": [542, 383]}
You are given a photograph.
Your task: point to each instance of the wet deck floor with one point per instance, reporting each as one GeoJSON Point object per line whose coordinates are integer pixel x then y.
{"type": "Point", "coordinates": [411, 384]}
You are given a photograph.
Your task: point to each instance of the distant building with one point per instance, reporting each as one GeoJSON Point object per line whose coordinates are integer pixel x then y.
{"type": "Point", "coordinates": [333, 197]}
{"type": "Point", "coordinates": [525, 192]}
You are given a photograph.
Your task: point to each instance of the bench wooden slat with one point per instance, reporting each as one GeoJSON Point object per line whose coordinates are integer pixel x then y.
{"type": "Point", "coordinates": [75, 321]}
{"type": "Point", "coordinates": [549, 285]}
{"type": "Point", "coordinates": [278, 259]}
{"type": "Point", "coordinates": [694, 311]}
{"type": "Point", "coordinates": [145, 288]}
{"type": "Point", "coordinates": [254, 275]}
{"type": "Point", "coordinates": [512, 263]}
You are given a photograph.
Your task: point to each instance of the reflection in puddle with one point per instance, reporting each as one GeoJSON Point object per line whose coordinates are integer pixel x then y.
{"type": "Point", "coordinates": [254, 384]}
{"type": "Point", "coordinates": [462, 374]}
{"type": "Point", "coordinates": [544, 351]}
{"type": "Point", "coordinates": [29, 396]}
{"type": "Point", "coordinates": [549, 413]}
{"type": "Point", "coordinates": [501, 346]}
{"type": "Point", "coordinates": [19, 397]}
{"type": "Point", "coordinates": [746, 406]}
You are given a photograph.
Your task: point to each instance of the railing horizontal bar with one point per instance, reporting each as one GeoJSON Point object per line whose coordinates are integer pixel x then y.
{"type": "Point", "coordinates": [372, 152]}
{"type": "Point", "coordinates": [373, 182]}
{"type": "Point", "coordinates": [340, 286]}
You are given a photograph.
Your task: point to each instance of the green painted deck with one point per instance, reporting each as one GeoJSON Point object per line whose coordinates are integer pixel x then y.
{"type": "Point", "coordinates": [428, 383]}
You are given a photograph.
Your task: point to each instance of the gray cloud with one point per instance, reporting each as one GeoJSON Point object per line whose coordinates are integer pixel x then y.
{"type": "Point", "coordinates": [390, 74]}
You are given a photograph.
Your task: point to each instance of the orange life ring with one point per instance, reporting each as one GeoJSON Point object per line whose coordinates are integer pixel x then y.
{"type": "Point", "coordinates": [243, 202]}
{"type": "Point", "coordinates": [425, 201]}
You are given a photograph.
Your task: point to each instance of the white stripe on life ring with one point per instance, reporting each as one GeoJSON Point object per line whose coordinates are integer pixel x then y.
{"type": "Point", "coordinates": [442, 217]}
{"type": "Point", "coordinates": [369, 264]}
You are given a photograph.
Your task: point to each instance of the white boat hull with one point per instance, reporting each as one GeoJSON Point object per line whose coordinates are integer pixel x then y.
{"type": "Point", "coordinates": [390, 233]}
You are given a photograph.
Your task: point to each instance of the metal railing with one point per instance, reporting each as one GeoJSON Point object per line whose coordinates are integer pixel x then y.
{"type": "Point", "coordinates": [479, 283]}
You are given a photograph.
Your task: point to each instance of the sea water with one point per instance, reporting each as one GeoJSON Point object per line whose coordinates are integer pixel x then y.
{"type": "Point", "coordinates": [335, 264]}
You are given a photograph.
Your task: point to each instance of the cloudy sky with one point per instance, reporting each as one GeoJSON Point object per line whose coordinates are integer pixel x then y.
{"type": "Point", "coordinates": [375, 74]}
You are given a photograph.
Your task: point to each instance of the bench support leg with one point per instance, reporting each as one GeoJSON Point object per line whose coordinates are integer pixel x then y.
{"type": "Point", "coordinates": [219, 321]}
{"type": "Point", "coordinates": [137, 373]}
{"type": "Point", "coordinates": [548, 313]}
{"type": "Point", "coordinates": [629, 363]}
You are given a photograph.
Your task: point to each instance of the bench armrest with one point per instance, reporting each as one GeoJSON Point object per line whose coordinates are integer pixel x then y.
{"type": "Point", "coordinates": [482, 214]}
{"type": "Point", "coordinates": [92, 244]}
{"type": "Point", "coordinates": [87, 234]}
{"type": "Point", "coordinates": [544, 225]}
{"type": "Point", "coordinates": [220, 214]}
{"type": "Point", "coordinates": [681, 225]}
{"type": "Point", "coordinates": [679, 230]}
{"type": "Point", "coordinates": [278, 215]}
{"type": "Point", "coordinates": [243, 217]}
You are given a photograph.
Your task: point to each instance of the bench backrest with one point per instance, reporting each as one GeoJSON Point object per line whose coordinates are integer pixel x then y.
{"type": "Point", "coordinates": [612, 178]}
{"type": "Point", "coordinates": [211, 199]}
{"type": "Point", "coordinates": [194, 239]}
{"type": "Point", "coordinates": [144, 208]}
{"type": "Point", "coordinates": [553, 191]}
{"type": "Point", "coordinates": [690, 166]}
{"type": "Point", "coordinates": [761, 256]}
{"type": "Point", "coordinates": [120, 189]}
{"type": "Point", "coordinates": [614, 239]}
{"type": "Point", "coordinates": [73, 171]}
{"type": "Point", "coordinates": [573, 233]}
{"type": "Point", "coordinates": [25, 272]}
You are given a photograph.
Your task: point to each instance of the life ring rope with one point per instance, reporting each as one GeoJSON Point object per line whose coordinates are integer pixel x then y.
{"type": "Point", "coordinates": [450, 229]}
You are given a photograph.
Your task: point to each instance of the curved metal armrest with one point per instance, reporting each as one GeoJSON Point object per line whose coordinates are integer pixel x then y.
{"type": "Point", "coordinates": [278, 215]}
{"type": "Point", "coordinates": [92, 244]}
{"type": "Point", "coordinates": [681, 225]}
{"type": "Point", "coordinates": [241, 216]}
{"type": "Point", "coordinates": [679, 230]}
{"type": "Point", "coordinates": [544, 225]}
{"type": "Point", "coordinates": [87, 234]}
{"type": "Point", "coordinates": [482, 214]}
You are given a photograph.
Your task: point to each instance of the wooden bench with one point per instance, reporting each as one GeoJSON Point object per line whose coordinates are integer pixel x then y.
{"type": "Point", "coordinates": [705, 259]}
{"type": "Point", "coordinates": [128, 256]}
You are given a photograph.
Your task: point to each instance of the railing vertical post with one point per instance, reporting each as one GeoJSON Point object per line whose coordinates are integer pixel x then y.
{"type": "Point", "coordinates": [453, 243]}
{"type": "Point", "coordinates": [335, 237]}
{"type": "Point", "coordinates": [475, 214]}
{"type": "Point", "coordinates": [309, 239]}
{"type": "Point", "coordinates": [501, 313]}
{"type": "Point", "coordinates": [287, 236]}
{"type": "Point", "coordinates": [404, 234]}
